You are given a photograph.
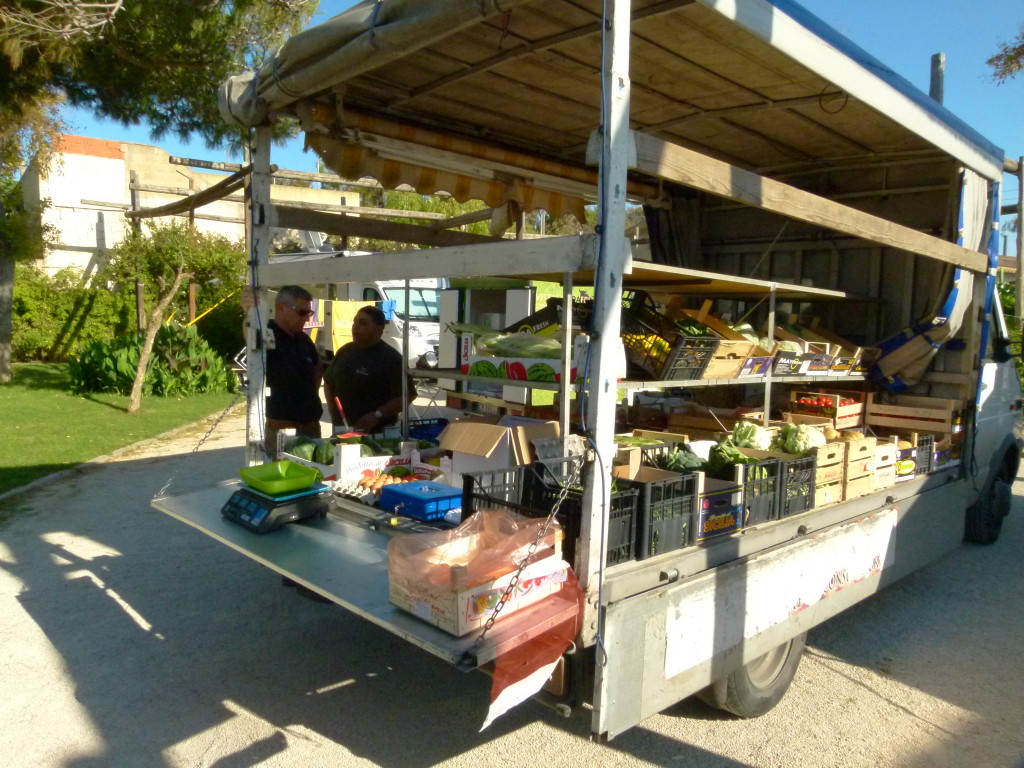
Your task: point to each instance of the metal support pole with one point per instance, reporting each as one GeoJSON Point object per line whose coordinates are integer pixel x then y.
{"type": "Point", "coordinates": [613, 259]}
{"type": "Point", "coordinates": [1020, 241]}
{"type": "Point", "coordinates": [257, 235]}
{"type": "Point", "coordinates": [768, 376]}
{"type": "Point", "coordinates": [404, 415]}
{"type": "Point", "coordinates": [565, 388]}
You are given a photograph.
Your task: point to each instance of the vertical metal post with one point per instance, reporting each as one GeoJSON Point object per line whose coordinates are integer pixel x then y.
{"type": "Point", "coordinates": [257, 236]}
{"type": "Point", "coordinates": [768, 376]}
{"type": "Point", "coordinates": [1020, 242]}
{"type": "Point", "coordinates": [612, 259]}
{"type": "Point", "coordinates": [565, 387]}
{"type": "Point", "coordinates": [404, 414]}
{"type": "Point", "coordinates": [140, 294]}
{"type": "Point", "coordinates": [937, 86]}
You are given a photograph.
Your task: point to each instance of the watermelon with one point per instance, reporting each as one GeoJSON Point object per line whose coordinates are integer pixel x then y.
{"type": "Point", "coordinates": [301, 446]}
{"type": "Point", "coordinates": [324, 452]}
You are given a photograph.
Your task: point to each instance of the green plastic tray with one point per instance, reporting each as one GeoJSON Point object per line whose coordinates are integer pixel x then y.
{"type": "Point", "coordinates": [280, 477]}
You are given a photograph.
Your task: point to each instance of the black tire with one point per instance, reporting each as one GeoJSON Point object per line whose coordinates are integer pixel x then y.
{"type": "Point", "coordinates": [984, 520]}
{"type": "Point", "coordinates": [755, 688]}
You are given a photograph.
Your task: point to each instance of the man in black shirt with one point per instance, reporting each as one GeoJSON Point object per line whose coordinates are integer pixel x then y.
{"type": "Point", "coordinates": [293, 369]}
{"type": "Point", "coordinates": [365, 376]}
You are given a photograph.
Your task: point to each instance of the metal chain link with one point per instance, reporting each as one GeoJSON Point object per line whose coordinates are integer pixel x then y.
{"type": "Point", "coordinates": [563, 493]}
{"type": "Point", "coordinates": [216, 423]}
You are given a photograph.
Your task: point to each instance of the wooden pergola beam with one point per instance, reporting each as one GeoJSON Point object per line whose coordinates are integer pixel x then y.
{"type": "Point", "coordinates": [291, 217]}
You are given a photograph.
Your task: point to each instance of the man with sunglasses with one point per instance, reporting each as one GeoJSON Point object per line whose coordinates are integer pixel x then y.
{"type": "Point", "coordinates": [293, 369]}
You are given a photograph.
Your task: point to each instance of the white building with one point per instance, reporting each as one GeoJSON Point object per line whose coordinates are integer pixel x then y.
{"type": "Point", "coordinates": [89, 186]}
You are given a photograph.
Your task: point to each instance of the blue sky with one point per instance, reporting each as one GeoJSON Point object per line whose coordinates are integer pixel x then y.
{"type": "Point", "coordinates": [904, 34]}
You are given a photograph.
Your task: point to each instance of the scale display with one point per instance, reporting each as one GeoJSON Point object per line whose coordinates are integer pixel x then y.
{"type": "Point", "coordinates": [262, 513]}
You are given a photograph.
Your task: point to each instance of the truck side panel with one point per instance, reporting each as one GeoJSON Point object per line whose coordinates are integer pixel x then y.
{"type": "Point", "coordinates": [667, 644]}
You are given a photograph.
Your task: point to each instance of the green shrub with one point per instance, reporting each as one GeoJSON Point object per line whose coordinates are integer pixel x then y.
{"type": "Point", "coordinates": [182, 363]}
{"type": "Point", "coordinates": [56, 316]}
{"type": "Point", "coordinates": [222, 328]}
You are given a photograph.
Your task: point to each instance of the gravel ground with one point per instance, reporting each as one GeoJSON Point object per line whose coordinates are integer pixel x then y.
{"type": "Point", "coordinates": [130, 640]}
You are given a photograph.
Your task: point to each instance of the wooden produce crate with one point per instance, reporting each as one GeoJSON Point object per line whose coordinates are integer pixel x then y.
{"type": "Point", "coordinates": [828, 405]}
{"type": "Point", "coordinates": [860, 457]}
{"type": "Point", "coordinates": [828, 493]}
{"type": "Point", "coordinates": [821, 353]}
{"type": "Point", "coordinates": [884, 468]}
{"type": "Point", "coordinates": [712, 421]}
{"type": "Point", "coordinates": [736, 357]}
{"type": "Point", "coordinates": [860, 358]}
{"type": "Point", "coordinates": [910, 412]}
{"type": "Point", "coordinates": [830, 453]}
{"type": "Point", "coordinates": [832, 473]}
{"type": "Point", "coordinates": [858, 486]}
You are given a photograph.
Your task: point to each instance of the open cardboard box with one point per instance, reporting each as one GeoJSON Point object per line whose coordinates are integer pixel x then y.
{"type": "Point", "coordinates": [477, 446]}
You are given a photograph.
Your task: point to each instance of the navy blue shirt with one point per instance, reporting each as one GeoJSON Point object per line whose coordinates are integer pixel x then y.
{"type": "Point", "coordinates": [364, 378]}
{"type": "Point", "coordinates": [291, 370]}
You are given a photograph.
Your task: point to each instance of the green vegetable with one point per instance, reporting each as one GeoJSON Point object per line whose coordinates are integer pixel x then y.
{"type": "Point", "coordinates": [521, 345]}
{"type": "Point", "coordinates": [798, 438]}
{"type": "Point", "coordinates": [324, 452]}
{"type": "Point", "coordinates": [749, 435]}
{"type": "Point", "coordinates": [722, 458]}
{"type": "Point", "coordinates": [635, 441]}
{"type": "Point", "coordinates": [301, 446]}
{"type": "Point", "coordinates": [681, 461]}
{"type": "Point", "coordinates": [690, 327]}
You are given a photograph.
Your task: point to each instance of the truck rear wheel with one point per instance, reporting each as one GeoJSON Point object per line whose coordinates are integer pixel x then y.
{"type": "Point", "coordinates": [755, 688]}
{"type": "Point", "coordinates": [984, 520]}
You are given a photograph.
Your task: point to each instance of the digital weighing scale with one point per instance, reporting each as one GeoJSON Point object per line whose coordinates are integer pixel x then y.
{"type": "Point", "coordinates": [260, 512]}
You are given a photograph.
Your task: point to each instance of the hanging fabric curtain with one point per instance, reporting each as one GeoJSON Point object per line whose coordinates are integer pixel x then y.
{"type": "Point", "coordinates": [906, 355]}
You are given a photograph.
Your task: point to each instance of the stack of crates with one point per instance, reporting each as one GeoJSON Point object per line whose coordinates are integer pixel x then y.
{"type": "Point", "coordinates": [858, 473]}
{"type": "Point", "coordinates": [884, 469]}
{"type": "Point", "coordinates": [655, 345]}
{"type": "Point", "coordinates": [533, 490]}
{"type": "Point", "coordinates": [830, 473]}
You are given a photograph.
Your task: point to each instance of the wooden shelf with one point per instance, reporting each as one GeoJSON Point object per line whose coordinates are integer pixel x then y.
{"type": "Point", "coordinates": [689, 383]}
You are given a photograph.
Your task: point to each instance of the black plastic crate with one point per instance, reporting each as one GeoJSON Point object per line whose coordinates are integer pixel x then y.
{"type": "Point", "coordinates": [925, 460]}
{"type": "Point", "coordinates": [656, 346]}
{"type": "Point", "coordinates": [533, 490]}
{"type": "Point", "coordinates": [796, 485]}
{"type": "Point", "coordinates": [760, 483]}
{"type": "Point", "coordinates": [666, 514]}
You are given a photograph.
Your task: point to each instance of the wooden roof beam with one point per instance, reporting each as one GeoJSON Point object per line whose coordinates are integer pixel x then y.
{"type": "Point", "coordinates": [526, 48]}
{"type": "Point", "coordinates": [674, 163]}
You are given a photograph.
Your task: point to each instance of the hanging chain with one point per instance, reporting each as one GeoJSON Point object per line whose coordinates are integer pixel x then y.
{"type": "Point", "coordinates": [468, 658]}
{"type": "Point", "coordinates": [202, 440]}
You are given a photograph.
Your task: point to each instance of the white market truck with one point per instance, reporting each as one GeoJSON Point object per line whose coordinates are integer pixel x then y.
{"type": "Point", "coordinates": [783, 172]}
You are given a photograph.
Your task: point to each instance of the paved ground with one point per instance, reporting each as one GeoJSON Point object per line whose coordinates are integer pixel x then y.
{"type": "Point", "coordinates": [130, 640]}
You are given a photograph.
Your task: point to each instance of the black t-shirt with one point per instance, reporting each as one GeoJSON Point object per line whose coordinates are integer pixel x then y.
{"type": "Point", "coordinates": [364, 378]}
{"type": "Point", "coordinates": [291, 365]}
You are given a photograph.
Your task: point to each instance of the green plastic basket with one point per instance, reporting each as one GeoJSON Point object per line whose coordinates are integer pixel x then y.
{"type": "Point", "coordinates": [280, 477]}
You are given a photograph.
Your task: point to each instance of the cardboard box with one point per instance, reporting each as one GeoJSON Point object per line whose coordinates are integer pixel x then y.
{"type": "Point", "coordinates": [720, 508]}
{"type": "Point", "coordinates": [459, 609]}
{"type": "Point", "coordinates": [519, 368]}
{"type": "Point", "coordinates": [477, 447]}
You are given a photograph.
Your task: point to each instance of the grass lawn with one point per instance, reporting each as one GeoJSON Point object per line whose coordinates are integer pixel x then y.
{"type": "Point", "coordinates": [44, 428]}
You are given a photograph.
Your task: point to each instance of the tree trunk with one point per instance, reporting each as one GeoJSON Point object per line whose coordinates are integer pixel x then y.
{"type": "Point", "coordinates": [6, 320]}
{"type": "Point", "coordinates": [156, 319]}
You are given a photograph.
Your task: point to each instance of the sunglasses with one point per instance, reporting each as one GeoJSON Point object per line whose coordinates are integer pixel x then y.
{"type": "Point", "coordinates": [300, 312]}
